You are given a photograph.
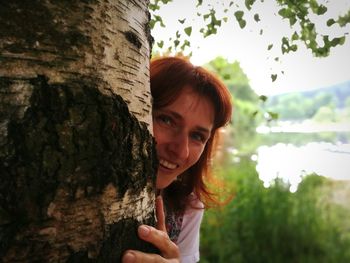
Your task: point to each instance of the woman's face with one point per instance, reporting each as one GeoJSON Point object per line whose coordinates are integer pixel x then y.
{"type": "Point", "coordinates": [181, 130]}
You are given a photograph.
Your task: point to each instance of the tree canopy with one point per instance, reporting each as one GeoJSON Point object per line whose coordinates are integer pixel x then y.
{"type": "Point", "coordinates": [302, 16]}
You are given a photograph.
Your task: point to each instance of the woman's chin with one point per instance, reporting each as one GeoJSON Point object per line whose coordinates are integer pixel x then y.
{"type": "Point", "coordinates": [161, 185]}
{"type": "Point", "coordinates": [161, 182]}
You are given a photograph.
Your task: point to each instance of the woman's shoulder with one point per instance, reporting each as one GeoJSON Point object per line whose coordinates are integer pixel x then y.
{"type": "Point", "coordinates": [195, 205]}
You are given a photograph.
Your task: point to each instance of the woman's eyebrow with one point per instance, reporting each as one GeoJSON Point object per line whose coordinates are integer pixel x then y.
{"type": "Point", "coordinates": [202, 129]}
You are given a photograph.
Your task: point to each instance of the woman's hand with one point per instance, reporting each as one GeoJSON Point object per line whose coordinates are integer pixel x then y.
{"type": "Point", "coordinates": [159, 238]}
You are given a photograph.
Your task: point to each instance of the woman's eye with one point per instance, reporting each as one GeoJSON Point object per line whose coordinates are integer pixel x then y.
{"type": "Point", "coordinates": [165, 119]}
{"type": "Point", "coordinates": [198, 137]}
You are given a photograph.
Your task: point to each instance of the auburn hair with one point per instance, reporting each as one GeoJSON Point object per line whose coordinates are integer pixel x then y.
{"type": "Point", "coordinates": [169, 76]}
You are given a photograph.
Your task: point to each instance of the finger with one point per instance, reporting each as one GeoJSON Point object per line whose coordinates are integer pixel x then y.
{"type": "Point", "coordinates": [160, 214]}
{"type": "Point", "coordinates": [133, 256]}
{"type": "Point", "coordinates": [160, 239]}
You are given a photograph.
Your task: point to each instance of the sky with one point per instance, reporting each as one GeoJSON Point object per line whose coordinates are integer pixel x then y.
{"type": "Point", "coordinates": [302, 71]}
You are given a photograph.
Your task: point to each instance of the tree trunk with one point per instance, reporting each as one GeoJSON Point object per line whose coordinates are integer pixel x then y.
{"type": "Point", "coordinates": [77, 160]}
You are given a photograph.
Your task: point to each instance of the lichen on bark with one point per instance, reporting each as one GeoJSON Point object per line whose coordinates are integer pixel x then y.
{"type": "Point", "coordinates": [70, 164]}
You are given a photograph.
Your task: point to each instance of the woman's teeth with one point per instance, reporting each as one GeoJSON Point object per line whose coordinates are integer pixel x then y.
{"type": "Point", "coordinates": [168, 165]}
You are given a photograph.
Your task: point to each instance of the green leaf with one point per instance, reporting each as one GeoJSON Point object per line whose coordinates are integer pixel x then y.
{"type": "Point", "coordinates": [284, 12]}
{"type": "Point", "coordinates": [263, 98]}
{"type": "Point", "coordinates": [199, 3]}
{"type": "Point", "coordinates": [293, 48]}
{"type": "Point", "coordinates": [295, 36]}
{"type": "Point", "coordinates": [225, 19]}
{"type": "Point", "coordinates": [160, 44]}
{"type": "Point", "coordinates": [256, 18]}
{"type": "Point", "coordinates": [321, 10]}
{"type": "Point", "coordinates": [273, 115]}
{"type": "Point", "coordinates": [239, 15]}
{"type": "Point", "coordinates": [188, 30]}
{"type": "Point", "coordinates": [249, 3]}
{"type": "Point", "coordinates": [226, 76]}
{"type": "Point", "coordinates": [330, 22]}
{"type": "Point", "coordinates": [261, 32]}
{"type": "Point", "coordinates": [176, 42]}
{"type": "Point", "coordinates": [270, 46]}
{"type": "Point", "coordinates": [158, 19]}
{"type": "Point", "coordinates": [152, 22]}
{"type": "Point", "coordinates": [273, 77]}
{"type": "Point", "coordinates": [292, 20]}
{"type": "Point", "coordinates": [242, 23]}
{"type": "Point", "coordinates": [337, 41]}
{"type": "Point", "coordinates": [153, 7]}
{"type": "Point", "coordinates": [186, 43]}
{"type": "Point", "coordinates": [182, 21]}
{"type": "Point", "coordinates": [344, 20]}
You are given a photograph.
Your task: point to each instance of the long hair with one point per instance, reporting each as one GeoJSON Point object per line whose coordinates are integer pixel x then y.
{"type": "Point", "coordinates": [169, 76]}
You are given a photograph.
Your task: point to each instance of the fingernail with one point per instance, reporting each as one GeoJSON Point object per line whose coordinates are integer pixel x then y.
{"type": "Point", "coordinates": [143, 230]}
{"type": "Point", "coordinates": [129, 257]}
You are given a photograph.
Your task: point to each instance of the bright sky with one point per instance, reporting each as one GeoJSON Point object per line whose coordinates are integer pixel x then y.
{"type": "Point", "coordinates": [301, 70]}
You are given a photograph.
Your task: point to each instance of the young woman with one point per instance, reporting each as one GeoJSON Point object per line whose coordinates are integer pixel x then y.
{"type": "Point", "coordinates": [189, 106]}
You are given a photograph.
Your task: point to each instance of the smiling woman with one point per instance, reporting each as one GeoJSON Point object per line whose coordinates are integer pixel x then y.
{"type": "Point", "coordinates": [182, 130]}
{"type": "Point", "coordinates": [190, 105]}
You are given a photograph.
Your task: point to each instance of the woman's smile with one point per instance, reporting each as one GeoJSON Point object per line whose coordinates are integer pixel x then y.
{"type": "Point", "coordinates": [167, 164]}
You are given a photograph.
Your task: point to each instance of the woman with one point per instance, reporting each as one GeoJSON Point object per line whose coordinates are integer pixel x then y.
{"type": "Point", "coordinates": [189, 106]}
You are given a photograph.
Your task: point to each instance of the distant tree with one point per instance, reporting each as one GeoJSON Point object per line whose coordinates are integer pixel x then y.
{"type": "Point", "coordinates": [324, 99]}
{"type": "Point", "coordinates": [245, 100]}
{"type": "Point", "coordinates": [347, 108]}
{"type": "Point", "coordinates": [234, 77]}
{"type": "Point", "coordinates": [325, 114]}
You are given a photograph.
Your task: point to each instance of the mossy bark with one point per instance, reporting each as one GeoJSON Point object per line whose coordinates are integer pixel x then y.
{"type": "Point", "coordinates": [77, 160]}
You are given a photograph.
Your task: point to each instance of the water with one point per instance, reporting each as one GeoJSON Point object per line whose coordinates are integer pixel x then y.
{"type": "Point", "coordinates": [291, 162]}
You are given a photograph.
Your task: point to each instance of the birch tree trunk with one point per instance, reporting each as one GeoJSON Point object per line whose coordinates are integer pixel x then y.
{"type": "Point", "coordinates": [76, 155]}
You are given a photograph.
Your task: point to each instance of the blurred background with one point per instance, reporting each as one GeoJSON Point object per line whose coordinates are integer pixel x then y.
{"type": "Point", "coordinates": [285, 157]}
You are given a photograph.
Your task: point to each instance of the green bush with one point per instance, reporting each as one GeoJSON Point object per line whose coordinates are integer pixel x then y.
{"type": "Point", "coordinates": [274, 225]}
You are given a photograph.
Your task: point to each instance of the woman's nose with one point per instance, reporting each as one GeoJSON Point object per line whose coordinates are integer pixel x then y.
{"type": "Point", "coordinates": [179, 146]}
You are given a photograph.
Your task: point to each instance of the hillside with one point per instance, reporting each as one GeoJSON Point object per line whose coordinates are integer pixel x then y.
{"type": "Point", "coordinates": [324, 104]}
{"type": "Point", "coordinates": [339, 92]}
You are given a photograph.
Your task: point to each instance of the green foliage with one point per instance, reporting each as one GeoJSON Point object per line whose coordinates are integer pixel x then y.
{"type": "Point", "coordinates": [274, 225]}
{"type": "Point", "coordinates": [245, 100]}
{"type": "Point", "coordinates": [273, 77]}
{"type": "Point", "coordinates": [344, 20]}
{"type": "Point", "coordinates": [234, 77]}
{"type": "Point", "coordinates": [212, 26]}
{"type": "Point", "coordinates": [296, 106]}
{"type": "Point", "coordinates": [239, 17]}
{"type": "Point", "coordinates": [324, 114]}
{"type": "Point", "coordinates": [301, 15]}
{"type": "Point", "coordinates": [188, 30]}
{"type": "Point", "coordinates": [299, 11]}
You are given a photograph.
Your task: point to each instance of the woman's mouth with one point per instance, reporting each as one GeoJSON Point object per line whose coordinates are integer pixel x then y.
{"type": "Point", "coordinates": [167, 164]}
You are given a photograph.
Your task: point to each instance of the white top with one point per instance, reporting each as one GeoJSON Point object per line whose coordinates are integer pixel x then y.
{"type": "Point", "coordinates": [188, 240]}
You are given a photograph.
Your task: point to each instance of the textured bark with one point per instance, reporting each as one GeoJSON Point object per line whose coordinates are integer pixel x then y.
{"type": "Point", "coordinates": [77, 159]}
